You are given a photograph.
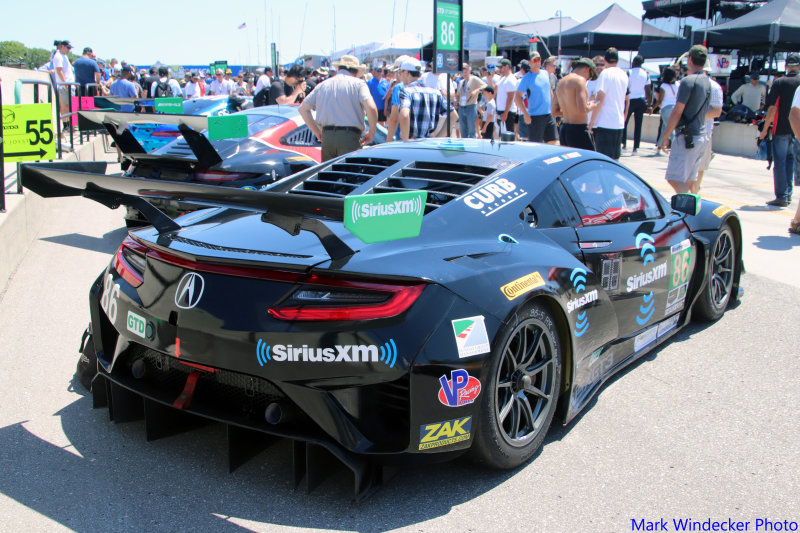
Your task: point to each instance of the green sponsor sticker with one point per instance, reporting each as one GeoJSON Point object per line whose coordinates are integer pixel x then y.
{"type": "Point", "coordinates": [448, 26]}
{"type": "Point", "coordinates": [227, 127]}
{"type": "Point", "coordinates": [385, 217]}
{"type": "Point", "coordinates": [172, 105]}
{"type": "Point", "coordinates": [28, 132]}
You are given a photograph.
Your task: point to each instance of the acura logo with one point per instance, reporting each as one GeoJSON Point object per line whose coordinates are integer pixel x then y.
{"type": "Point", "coordinates": [190, 289]}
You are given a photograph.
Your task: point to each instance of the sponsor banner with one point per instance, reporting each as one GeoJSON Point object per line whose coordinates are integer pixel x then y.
{"type": "Point", "coordinates": [385, 217]}
{"type": "Point", "coordinates": [460, 389]}
{"type": "Point", "coordinates": [439, 434]}
{"type": "Point", "coordinates": [227, 127]}
{"type": "Point", "coordinates": [645, 339]}
{"type": "Point", "coordinates": [667, 325]}
{"type": "Point", "coordinates": [520, 286]}
{"type": "Point", "coordinates": [471, 336]}
{"type": "Point", "coordinates": [171, 105]}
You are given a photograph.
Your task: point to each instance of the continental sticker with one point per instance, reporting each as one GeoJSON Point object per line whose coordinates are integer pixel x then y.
{"type": "Point", "coordinates": [445, 433]}
{"type": "Point", "coordinates": [520, 286]}
{"type": "Point", "coordinates": [471, 336]}
{"type": "Point", "coordinates": [722, 210]}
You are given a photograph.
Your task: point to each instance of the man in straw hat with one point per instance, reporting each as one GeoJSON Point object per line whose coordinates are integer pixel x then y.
{"type": "Point", "coordinates": [341, 103]}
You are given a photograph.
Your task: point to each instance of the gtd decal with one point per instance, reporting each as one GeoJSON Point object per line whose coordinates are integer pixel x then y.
{"type": "Point", "coordinates": [493, 196]}
{"type": "Point", "coordinates": [349, 353]}
{"type": "Point", "coordinates": [189, 291]}
{"type": "Point", "coordinates": [578, 278]}
{"type": "Point", "coordinates": [443, 433]}
{"type": "Point", "coordinates": [460, 389]}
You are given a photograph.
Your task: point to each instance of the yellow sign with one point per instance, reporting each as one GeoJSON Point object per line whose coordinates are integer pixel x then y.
{"type": "Point", "coordinates": [520, 286]}
{"type": "Point", "coordinates": [28, 133]}
{"type": "Point", "coordinates": [721, 211]}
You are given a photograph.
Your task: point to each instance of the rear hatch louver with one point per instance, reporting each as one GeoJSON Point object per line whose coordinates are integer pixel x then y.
{"type": "Point", "coordinates": [443, 181]}
{"type": "Point", "coordinates": [344, 176]}
{"type": "Point", "coordinates": [370, 175]}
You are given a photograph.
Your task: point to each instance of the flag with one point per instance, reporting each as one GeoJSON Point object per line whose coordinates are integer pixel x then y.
{"type": "Point", "coordinates": [242, 26]}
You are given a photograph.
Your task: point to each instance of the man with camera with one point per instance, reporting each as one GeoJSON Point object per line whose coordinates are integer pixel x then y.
{"type": "Point", "coordinates": [688, 121]}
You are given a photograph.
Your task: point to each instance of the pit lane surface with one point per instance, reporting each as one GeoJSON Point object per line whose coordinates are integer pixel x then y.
{"type": "Point", "coordinates": [706, 426]}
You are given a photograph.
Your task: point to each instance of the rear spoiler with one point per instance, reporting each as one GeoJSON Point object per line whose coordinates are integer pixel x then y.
{"type": "Point", "coordinates": [292, 213]}
{"type": "Point", "coordinates": [116, 123]}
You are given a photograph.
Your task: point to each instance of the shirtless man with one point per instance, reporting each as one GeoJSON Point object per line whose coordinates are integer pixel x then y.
{"type": "Point", "coordinates": [572, 103]}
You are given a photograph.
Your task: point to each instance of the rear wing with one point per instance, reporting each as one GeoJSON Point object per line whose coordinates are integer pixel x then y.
{"type": "Point", "coordinates": [292, 213]}
{"type": "Point", "coordinates": [117, 122]}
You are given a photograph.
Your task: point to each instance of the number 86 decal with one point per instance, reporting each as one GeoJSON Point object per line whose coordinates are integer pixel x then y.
{"type": "Point", "coordinates": [108, 302]}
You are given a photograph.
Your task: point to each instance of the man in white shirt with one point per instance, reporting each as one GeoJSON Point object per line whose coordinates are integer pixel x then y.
{"type": "Point", "coordinates": [608, 119]}
{"type": "Point", "coordinates": [639, 95]}
{"type": "Point", "coordinates": [506, 84]}
{"type": "Point", "coordinates": [64, 74]}
{"type": "Point", "coordinates": [192, 87]}
{"type": "Point", "coordinates": [220, 85]}
{"type": "Point", "coordinates": [264, 81]}
{"type": "Point", "coordinates": [163, 77]}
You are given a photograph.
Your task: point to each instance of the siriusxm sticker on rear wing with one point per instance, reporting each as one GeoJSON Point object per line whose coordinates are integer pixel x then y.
{"type": "Point", "coordinates": [385, 217]}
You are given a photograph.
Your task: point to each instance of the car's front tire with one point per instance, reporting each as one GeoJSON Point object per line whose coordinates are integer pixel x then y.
{"type": "Point", "coordinates": [522, 390]}
{"type": "Point", "coordinates": [716, 294]}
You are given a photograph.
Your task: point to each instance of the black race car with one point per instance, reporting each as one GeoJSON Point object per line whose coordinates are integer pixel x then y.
{"type": "Point", "coordinates": [502, 284]}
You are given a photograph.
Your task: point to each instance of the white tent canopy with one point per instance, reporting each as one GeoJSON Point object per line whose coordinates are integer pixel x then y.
{"type": "Point", "coordinates": [400, 44]}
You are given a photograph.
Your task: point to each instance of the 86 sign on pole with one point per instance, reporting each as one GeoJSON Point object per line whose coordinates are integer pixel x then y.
{"type": "Point", "coordinates": [448, 19]}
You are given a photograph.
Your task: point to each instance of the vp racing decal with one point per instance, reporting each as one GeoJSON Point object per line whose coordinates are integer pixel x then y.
{"type": "Point", "coordinates": [460, 389]}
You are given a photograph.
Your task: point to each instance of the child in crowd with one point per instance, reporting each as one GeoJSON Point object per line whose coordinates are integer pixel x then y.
{"type": "Point", "coordinates": [489, 113]}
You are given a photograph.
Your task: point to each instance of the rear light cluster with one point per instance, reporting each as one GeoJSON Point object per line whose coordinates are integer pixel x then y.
{"type": "Point", "coordinates": [322, 298]}
{"type": "Point", "coordinates": [219, 176]}
{"type": "Point", "coordinates": [130, 261]}
{"type": "Point", "coordinates": [316, 298]}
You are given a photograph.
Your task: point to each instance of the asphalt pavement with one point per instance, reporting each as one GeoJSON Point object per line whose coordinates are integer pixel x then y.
{"type": "Point", "coordinates": [704, 427]}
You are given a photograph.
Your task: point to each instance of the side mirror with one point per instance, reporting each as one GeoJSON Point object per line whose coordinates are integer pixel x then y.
{"type": "Point", "coordinates": [686, 203]}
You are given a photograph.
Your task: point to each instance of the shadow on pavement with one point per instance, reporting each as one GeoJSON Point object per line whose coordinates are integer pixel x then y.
{"type": "Point", "coordinates": [108, 243]}
{"type": "Point", "coordinates": [776, 242]}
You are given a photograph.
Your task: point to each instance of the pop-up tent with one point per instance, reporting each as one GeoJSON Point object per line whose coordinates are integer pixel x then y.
{"type": "Point", "coordinates": [774, 26]}
{"type": "Point", "coordinates": [400, 44]}
{"type": "Point", "coordinates": [612, 27]}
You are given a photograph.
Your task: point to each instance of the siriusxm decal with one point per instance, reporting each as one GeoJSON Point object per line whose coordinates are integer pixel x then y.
{"type": "Point", "coordinates": [578, 278]}
{"type": "Point", "coordinates": [460, 389]}
{"type": "Point", "coordinates": [385, 217]}
{"type": "Point", "coordinates": [493, 196]}
{"type": "Point", "coordinates": [348, 353]}
{"type": "Point", "coordinates": [644, 242]}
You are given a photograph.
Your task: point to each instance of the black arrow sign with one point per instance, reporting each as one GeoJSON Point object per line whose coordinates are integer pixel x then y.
{"type": "Point", "coordinates": [40, 153]}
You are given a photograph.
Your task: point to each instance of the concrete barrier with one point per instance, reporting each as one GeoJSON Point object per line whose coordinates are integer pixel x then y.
{"type": "Point", "coordinates": [730, 138]}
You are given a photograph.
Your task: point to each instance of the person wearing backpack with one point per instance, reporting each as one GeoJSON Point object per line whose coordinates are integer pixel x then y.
{"type": "Point", "coordinates": [165, 86]}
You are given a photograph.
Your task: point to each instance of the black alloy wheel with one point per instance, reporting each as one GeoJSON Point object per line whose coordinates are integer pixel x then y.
{"type": "Point", "coordinates": [519, 407]}
{"type": "Point", "coordinates": [717, 293]}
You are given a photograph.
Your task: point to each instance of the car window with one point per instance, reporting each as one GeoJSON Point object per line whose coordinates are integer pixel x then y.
{"type": "Point", "coordinates": [552, 208]}
{"type": "Point", "coordinates": [605, 193]}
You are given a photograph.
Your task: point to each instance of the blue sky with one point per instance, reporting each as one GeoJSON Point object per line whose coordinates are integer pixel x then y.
{"type": "Point", "coordinates": [182, 32]}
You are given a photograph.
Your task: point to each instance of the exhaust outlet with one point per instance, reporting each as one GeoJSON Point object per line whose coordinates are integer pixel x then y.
{"type": "Point", "coordinates": [279, 413]}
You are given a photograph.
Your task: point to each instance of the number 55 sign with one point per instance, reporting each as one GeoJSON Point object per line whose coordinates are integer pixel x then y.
{"type": "Point", "coordinates": [28, 132]}
{"type": "Point", "coordinates": [447, 22]}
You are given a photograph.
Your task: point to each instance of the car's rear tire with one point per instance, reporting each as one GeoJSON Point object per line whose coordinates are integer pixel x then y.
{"type": "Point", "coordinates": [716, 294]}
{"type": "Point", "coordinates": [521, 390]}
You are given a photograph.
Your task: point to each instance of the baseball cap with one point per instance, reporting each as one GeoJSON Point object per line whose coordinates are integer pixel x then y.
{"type": "Point", "coordinates": [793, 59]}
{"type": "Point", "coordinates": [535, 55]}
{"type": "Point", "coordinates": [504, 62]}
{"type": "Point", "coordinates": [411, 65]}
{"type": "Point", "coordinates": [698, 53]}
{"type": "Point", "coordinates": [585, 61]}
{"type": "Point", "coordinates": [228, 71]}
{"type": "Point", "coordinates": [67, 44]}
